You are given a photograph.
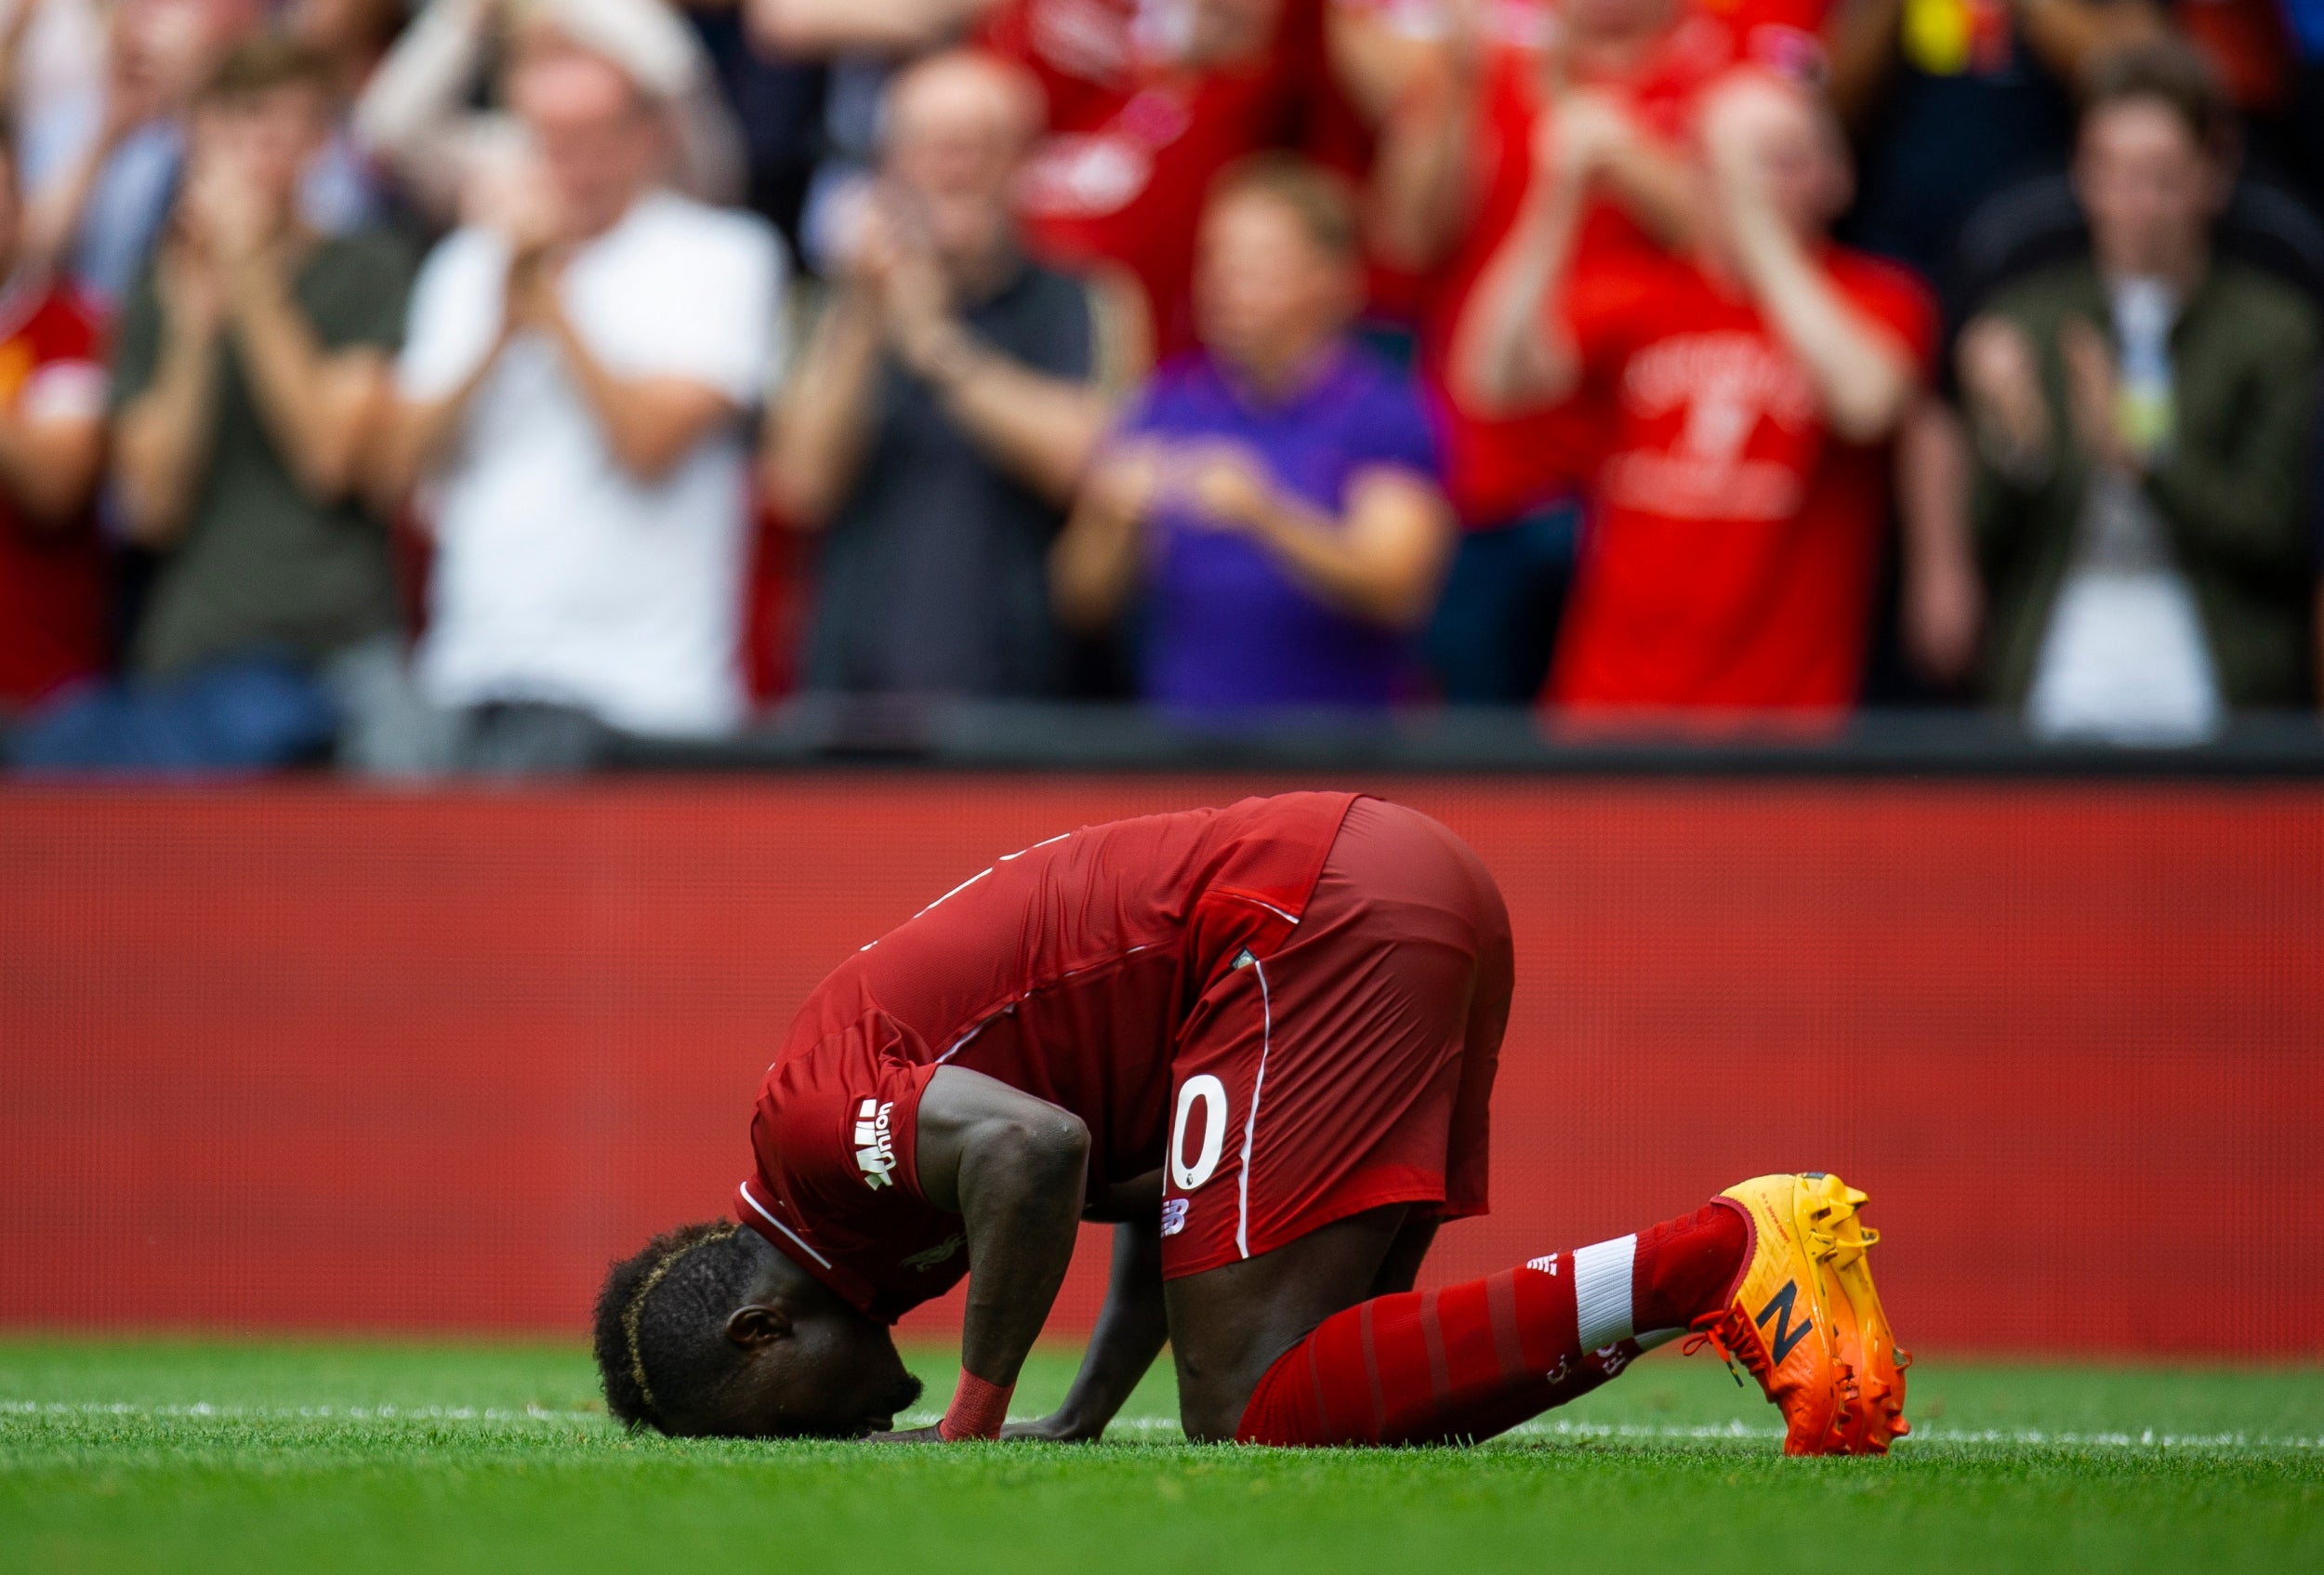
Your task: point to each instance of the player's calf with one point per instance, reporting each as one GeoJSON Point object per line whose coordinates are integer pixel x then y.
{"type": "Point", "coordinates": [1473, 1360]}
{"type": "Point", "coordinates": [1753, 1271]}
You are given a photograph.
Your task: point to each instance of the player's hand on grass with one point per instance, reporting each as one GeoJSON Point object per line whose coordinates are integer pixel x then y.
{"type": "Point", "coordinates": [908, 1435]}
{"type": "Point", "coordinates": [1057, 1428]}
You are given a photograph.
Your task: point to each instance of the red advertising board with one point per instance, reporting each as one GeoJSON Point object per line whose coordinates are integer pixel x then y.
{"type": "Point", "coordinates": [304, 1057]}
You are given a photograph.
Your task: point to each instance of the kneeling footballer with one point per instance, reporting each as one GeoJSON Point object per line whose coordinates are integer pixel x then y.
{"type": "Point", "coordinates": [1262, 1039]}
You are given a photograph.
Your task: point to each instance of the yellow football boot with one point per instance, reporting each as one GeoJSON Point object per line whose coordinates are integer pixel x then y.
{"type": "Point", "coordinates": [1778, 1320]}
{"type": "Point", "coordinates": [1867, 1344]}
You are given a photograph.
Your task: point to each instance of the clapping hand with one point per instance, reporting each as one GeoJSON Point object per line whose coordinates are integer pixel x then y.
{"type": "Point", "coordinates": [894, 263]}
{"type": "Point", "coordinates": [2093, 402]}
{"type": "Point", "coordinates": [225, 215]}
{"type": "Point", "coordinates": [192, 301]}
{"type": "Point", "coordinates": [1580, 133]}
{"type": "Point", "coordinates": [1223, 485]}
{"type": "Point", "coordinates": [1125, 483]}
{"type": "Point", "coordinates": [529, 217]}
{"type": "Point", "coordinates": [2003, 387]}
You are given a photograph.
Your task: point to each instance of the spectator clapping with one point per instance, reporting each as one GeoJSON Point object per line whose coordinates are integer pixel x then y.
{"type": "Point", "coordinates": [946, 406]}
{"type": "Point", "coordinates": [1661, 424]}
{"type": "Point", "coordinates": [249, 379]}
{"type": "Point", "coordinates": [1269, 505]}
{"type": "Point", "coordinates": [573, 400]}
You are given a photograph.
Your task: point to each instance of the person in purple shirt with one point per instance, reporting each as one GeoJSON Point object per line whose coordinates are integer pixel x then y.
{"type": "Point", "coordinates": [1269, 507]}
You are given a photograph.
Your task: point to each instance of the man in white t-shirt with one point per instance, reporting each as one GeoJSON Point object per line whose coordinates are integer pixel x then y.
{"type": "Point", "coordinates": [572, 390]}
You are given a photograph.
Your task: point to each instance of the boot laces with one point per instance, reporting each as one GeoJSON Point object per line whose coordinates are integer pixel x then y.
{"type": "Point", "coordinates": [1728, 1333]}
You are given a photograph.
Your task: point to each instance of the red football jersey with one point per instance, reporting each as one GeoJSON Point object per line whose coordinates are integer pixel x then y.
{"type": "Point", "coordinates": [1135, 140]}
{"type": "Point", "coordinates": [52, 576]}
{"type": "Point", "coordinates": [1730, 556]}
{"type": "Point", "coordinates": [1070, 971]}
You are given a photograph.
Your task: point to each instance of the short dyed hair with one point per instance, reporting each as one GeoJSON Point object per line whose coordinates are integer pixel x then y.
{"type": "Point", "coordinates": [2168, 74]}
{"type": "Point", "coordinates": [660, 1327]}
{"type": "Point", "coordinates": [262, 64]}
{"type": "Point", "coordinates": [1322, 202]}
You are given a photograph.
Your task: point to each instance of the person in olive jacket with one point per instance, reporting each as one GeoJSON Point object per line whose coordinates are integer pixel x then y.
{"type": "Point", "coordinates": [2140, 417]}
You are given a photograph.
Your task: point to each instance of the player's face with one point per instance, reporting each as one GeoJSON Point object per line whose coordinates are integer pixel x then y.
{"type": "Point", "coordinates": [836, 1376]}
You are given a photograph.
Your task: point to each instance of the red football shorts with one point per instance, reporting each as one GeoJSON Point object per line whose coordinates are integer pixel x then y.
{"type": "Point", "coordinates": [1353, 1068]}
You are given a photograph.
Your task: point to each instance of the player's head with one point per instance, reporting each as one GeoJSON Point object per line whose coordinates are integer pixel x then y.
{"type": "Point", "coordinates": [711, 1333]}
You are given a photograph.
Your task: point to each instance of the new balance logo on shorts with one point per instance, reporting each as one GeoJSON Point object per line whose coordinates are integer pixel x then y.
{"type": "Point", "coordinates": [928, 1259]}
{"type": "Point", "coordinates": [875, 1146]}
{"type": "Point", "coordinates": [1174, 1215]}
{"type": "Point", "coordinates": [1785, 1336]}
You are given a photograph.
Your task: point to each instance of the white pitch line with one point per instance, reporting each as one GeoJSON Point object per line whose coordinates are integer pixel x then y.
{"type": "Point", "coordinates": [1925, 1436]}
{"type": "Point", "coordinates": [203, 1409]}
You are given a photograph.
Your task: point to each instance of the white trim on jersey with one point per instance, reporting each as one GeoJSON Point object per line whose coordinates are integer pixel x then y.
{"type": "Point", "coordinates": [1250, 1121]}
{"type": "Point", "coordinates": [956, 890]}
{"type": "Point", "coordinates": [760, 1211]}
{"type": "Point", "coordinates": [1044, 842]}
{"type": "Point", "coordinates": [962, 1042]}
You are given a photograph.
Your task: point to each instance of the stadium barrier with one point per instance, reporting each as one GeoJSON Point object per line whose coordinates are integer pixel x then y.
{"type": "Point", "coordinates": [296, 1056]}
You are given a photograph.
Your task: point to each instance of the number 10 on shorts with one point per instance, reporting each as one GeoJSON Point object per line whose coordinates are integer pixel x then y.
{"type": "Point", "coordinates": [1187, 1173]}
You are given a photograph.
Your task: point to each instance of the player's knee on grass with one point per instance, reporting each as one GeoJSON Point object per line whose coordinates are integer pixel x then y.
{"type": "Point", "coordinates": [709, 1331]}
{"type": "Point", "coordinates": [1212, 1400]}
{"type": "Point", "coordinates": [1230, 1325]}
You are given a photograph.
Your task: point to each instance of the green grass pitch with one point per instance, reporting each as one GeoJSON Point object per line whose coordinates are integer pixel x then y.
{"type": "Point", "coordinates": [143, 1456]}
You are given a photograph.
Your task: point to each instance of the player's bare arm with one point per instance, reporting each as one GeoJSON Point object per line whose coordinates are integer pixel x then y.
{"type": "Point", "coordinates": [1012, 1167]}
{"type": "Point", "coordinates": [1131, 1329]}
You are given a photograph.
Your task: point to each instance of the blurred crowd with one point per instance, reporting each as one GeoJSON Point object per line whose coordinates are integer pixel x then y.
{"type": "Point", "coordinates": [463, 388]}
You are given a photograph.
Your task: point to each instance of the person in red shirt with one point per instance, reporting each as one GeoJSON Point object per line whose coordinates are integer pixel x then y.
{"type": "Point", "coordinates": [1745, 394]}
{"type": "Point", "coordinates": [1143, 114]}
{"type": "Point", "coordinates": [1263, 1038]}
{"type": "Point", "coordinates": [1455, 169]}
{"type": "Point", "coordinates": [52, 403]}
{"type": "Point", "coordinates": [1450, 182]}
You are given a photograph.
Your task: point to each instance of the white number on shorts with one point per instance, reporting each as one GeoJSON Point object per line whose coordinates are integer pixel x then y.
{"type": "Point", "coordinates": [1212, 1093]}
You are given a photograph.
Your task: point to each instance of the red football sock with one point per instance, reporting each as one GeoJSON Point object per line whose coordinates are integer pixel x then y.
{"type": "Point", "coordinates": [1476, 1359]}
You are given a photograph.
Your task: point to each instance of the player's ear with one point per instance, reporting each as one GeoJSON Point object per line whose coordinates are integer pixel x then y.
{"type": "Point", "coordinates": [757, 1324]}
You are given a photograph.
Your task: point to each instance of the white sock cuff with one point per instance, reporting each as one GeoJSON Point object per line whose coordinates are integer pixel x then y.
{"type": "Point", "coordinates": [1602, 1284]}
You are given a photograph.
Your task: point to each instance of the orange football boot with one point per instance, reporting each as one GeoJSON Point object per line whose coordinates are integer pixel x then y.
{"type": "Point", "coordinates": [1867, 1344]}
{"type": "Point", "coordinates": [1777, 1320]}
